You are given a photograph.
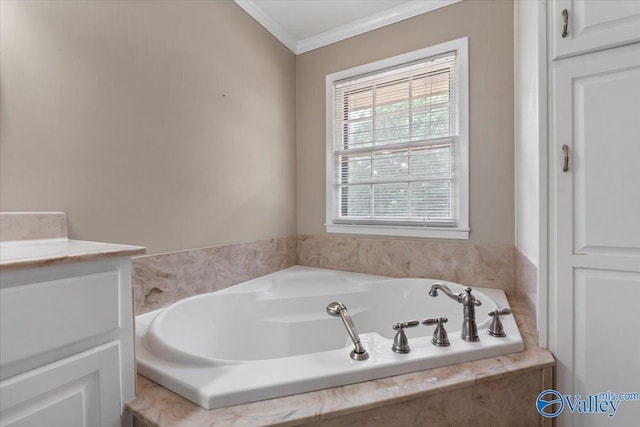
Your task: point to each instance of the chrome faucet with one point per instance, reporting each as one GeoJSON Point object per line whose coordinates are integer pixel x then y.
{"type": "Point", "coordinates": [469, 304]}
{"type": "Point", "coordinates": [337, 309]}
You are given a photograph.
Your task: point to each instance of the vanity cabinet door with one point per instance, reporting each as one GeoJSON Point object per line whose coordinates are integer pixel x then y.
{"type": "Point", "coordinates": [46, 321]}
{"type": "Point", "coordinates": [592, 25]}
{"type": "Point", "coordinates": [82, 390]}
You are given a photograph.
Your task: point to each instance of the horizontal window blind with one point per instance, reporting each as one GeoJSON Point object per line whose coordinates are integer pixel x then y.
{"type": "Point", "coordinates": [394, 148]}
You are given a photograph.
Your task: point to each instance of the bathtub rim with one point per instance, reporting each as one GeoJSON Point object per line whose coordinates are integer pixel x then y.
{"type": "Point", "coordinates": [155, 343]}
{"type": "Point", "coordinates": [168, 373]}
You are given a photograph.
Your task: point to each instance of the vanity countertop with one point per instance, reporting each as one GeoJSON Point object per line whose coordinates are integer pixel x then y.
{"type": "Point", "coordinates": [21, 254]}
{"type": "Point", "coordinates": [155, 405]}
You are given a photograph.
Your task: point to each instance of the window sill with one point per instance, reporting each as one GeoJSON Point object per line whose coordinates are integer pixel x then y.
{"type": "Point", "coordinates": [400, 231]}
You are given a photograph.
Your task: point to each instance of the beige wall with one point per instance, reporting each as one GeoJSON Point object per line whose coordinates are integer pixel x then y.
{"type": "Point", "coordinates": [164, 124]}
{"type": "Point", "coordinates": [173, 125]}
{"type": "Point", "coordinates": [489, 26]}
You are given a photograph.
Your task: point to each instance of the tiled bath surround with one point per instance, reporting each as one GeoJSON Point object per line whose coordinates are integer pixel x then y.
{"type": "Point", "coordinates": [495, 391]}
{"type": "Point", "coordinates": [160, 280]}
{"type": "Point", "coordinates": [526, 277]}
{"type": "Point", "coordinates": [470, 393]}
{"type": "Point", "coordinates": [474, 392]}
{"type": "Point", "coordinates": [483, 265]}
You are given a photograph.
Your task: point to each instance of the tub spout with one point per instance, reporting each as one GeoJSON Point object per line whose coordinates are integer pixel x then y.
{"type": "Point", "coordinates": [434, 292]}
{"type": "Point", "coordinates": [338, 309]}
{"type": "Point", "coordinates": [469, 303]}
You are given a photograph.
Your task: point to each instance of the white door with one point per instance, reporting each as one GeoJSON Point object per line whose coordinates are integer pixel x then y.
{"type": "Point", "coordinates": [595, 234]}
{"type": "Point", "coordinates": [592, 25]}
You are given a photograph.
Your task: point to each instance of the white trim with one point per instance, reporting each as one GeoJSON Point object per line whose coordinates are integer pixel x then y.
{"type": "Point", "coordinates": [542, 282]}
{"type": "Point", "coordinates": [461, 46]}
{"type": "Point", "coordinates": [256, 12]}
{"type": "Point", "coordinates": [341, 32]}
{"type": "Point", "coordinates": [542, 288]}
{"type": "Point", "coordinates": [370, 23]}
{"type": "Point", "coordinates": [401, 231]}
{"type": "Point", "coordinates": [462, 92]}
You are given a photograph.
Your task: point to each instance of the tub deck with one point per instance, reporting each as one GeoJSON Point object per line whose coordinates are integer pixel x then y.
{"type": "Point", "coordinates": [518, 377]}
{"type": "Point", "coordinates": [271, 336]}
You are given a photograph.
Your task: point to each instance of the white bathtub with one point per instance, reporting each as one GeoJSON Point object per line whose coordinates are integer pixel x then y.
{"type": "Point", "coordinates": [272, 336]}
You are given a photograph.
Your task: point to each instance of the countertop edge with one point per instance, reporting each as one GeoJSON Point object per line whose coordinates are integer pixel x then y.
{"type": "Point", "coordinates": [68, 254]}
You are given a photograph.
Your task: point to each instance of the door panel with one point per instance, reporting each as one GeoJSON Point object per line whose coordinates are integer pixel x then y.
{"type": "Point", "coordinates": [606, 348]}
{"type": "Point", "coordinates": [595, 226]}
{"type": "Point", "coordinates": [71, 405]}
{"type": "Point", "coordinates": [81, 390]}
{"type": "Point", "coordinates": [606, 152]}
{"type": "Point", "coordinates": [593, 25]}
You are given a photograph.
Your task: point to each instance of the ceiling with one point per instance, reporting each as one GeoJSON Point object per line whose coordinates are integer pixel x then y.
{"type": "Point", "coordinates": [304, 25]}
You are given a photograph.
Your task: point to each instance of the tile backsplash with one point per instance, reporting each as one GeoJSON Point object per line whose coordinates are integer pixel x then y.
{"type": "Point", "coordinates": [32, 225]}
{"type": "Point", "coordinates": [160, 280]}
{"type": "Point", "coordinates": [483, 265]}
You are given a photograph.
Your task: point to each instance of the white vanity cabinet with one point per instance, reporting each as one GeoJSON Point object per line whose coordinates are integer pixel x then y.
{"type": "Point", "coordinates": [592, 25]}
{"type": "Point", "coordinates": [66, 344]}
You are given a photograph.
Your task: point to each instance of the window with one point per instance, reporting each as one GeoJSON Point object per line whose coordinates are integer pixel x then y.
{"type": "Point", "coordinates": [397, 145]}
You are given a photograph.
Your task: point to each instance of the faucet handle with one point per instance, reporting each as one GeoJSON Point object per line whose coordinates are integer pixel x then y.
{"type": "Point", "coordinates": [434, 321]}
{"type": "Point", "coordinates": [403, 325]}
{"type": "Point", "coordinates": [440, 337]}
{"type": "Point", "coordinates": [400, 341]}
{"type": "Point", "coordinates": [495, 328]}
{"type": "Point", "coordinates": [500, 312]}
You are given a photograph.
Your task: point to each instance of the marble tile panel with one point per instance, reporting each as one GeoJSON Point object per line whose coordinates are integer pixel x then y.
{"type": "Point", "coordinates": [154, 279]}
{"type": "Point", "coordinates": [492, 391]}
{"type": "Point", "coordinates": [159, 280]}
{"type": "Point", "coordinates": [483, 265]}
{"type": "Point", "coordinates": [32, 225]}
{"type": "Point", "coordinates": [505, 402]}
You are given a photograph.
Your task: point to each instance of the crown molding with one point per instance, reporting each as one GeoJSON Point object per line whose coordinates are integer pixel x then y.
{"type": "Point", "coordinates": [251, 7]}
{"type": "Point", "coordinates": [342, 32]}
{"type": "Point", "coordinates": [371, 22]}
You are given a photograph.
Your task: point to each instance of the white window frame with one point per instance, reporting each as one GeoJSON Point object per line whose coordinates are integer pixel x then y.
{"type": "Point", "coordinates": [461, 231]}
